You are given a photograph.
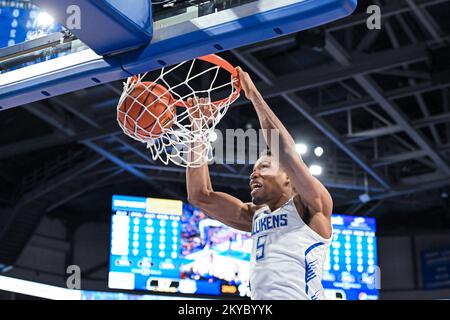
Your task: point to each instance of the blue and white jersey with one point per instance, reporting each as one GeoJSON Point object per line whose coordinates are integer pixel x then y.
{"type": "Point", "coordinates": [287, 256]}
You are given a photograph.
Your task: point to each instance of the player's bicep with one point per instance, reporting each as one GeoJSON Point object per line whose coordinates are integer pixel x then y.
{"type": "Point", "coordinates": [227, 209]}
{"type": "Point", "coordinates": [312, 191]}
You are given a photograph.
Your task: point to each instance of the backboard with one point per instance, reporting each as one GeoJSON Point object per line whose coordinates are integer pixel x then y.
{"type": "Point", "coordinates": [41, 58]}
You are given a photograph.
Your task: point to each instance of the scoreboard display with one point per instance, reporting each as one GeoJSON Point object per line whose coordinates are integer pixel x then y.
{"type": "Point", "coordinates": [350, 270]}
{"type": "Point", "coordinates": [21, 21]}
{"type": "Point", "coordinates": [16, 23]}
{"type": "Point", "coordinates": [162, 245]}
{"type": "Point", "coordinates": [145, 242]}
{"type": "Point", "coordinates": [167, 246]}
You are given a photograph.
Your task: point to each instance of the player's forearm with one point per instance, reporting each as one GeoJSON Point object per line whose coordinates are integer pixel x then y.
{"type": "Point", "coordinates": [198, 181]}
{"type": "Point", "coordinates": [269, 121]}
{"type": "Point", "coordinates": [217, 205]}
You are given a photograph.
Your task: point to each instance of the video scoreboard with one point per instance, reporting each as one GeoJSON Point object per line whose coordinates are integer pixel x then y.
{"type": "Point", "coordinates": [167, 246]}
{"type": "Point", "coordinates": [145, 242]}
{"type": "Point", "coordinates": [351, 271]}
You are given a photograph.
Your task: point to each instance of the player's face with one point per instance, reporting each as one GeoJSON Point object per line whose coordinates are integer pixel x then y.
{"type": "Point", "coordinates": [267, 181]}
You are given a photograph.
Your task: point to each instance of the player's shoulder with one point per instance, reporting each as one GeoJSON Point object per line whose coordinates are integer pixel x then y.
{"type": "Point", "coordinates": [252, 208]}
{"type": "Point", "coordinates": [305, 210]}
{"type": "Point", "coordinates": [322, 205]}
{"type": "Point", "coordinates": [319, 222]}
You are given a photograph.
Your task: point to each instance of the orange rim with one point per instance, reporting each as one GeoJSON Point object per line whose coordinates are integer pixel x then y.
{"type": "Point", "coordinates": [224, 64]}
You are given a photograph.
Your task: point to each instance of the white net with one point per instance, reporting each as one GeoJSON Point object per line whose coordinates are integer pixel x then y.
{"type": "Point", "coordinates": [176, 113]}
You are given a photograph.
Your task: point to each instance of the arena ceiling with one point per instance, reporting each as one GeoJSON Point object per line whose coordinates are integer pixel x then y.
{"type": "Point", "coordinates": [377, 101]}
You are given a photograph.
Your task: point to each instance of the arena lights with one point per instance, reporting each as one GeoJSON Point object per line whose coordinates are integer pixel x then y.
{"type": "Point", "coordinates": [213, 136]}
{"type": "Point", "coordinates": [37, 289]}
{"type": "Point", "coordinates": [315, 170]}
{"type": "Point", "coordinates": [44, 20]}
{"type": "Point", "coordinates": [301, 148]}
{"type": "Point", "coordinates": [49, 292]}
{"type": "Point", "coordinates": [318, 151]}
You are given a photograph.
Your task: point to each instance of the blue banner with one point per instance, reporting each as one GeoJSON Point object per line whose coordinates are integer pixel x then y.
{"type": "Point", "coordinates": [436, 268]}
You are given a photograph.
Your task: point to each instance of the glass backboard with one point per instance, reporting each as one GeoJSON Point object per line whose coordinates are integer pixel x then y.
{"type": "Point", "coordinates": [40, 58]}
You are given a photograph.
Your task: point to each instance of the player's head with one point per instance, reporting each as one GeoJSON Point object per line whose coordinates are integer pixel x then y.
{"type": "Point", "coordinates": [268, 182]}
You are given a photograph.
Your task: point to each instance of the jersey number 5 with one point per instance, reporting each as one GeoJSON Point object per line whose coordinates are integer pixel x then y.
{"type": "Point", "coordinates": [260, 247]}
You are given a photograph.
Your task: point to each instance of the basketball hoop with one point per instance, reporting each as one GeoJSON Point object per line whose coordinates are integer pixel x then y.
{"type": "Point", "coordinates": [158, 113]}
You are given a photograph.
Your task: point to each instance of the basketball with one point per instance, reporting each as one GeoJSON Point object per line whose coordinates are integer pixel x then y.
{"type": "Point", "coordinates": [148, 111]}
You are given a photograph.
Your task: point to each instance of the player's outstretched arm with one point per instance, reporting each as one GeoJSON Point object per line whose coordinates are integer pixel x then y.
{"type": "Point", "coordinates": [218, 205]}
{"type": "Point", "coordinates": [313, 193]}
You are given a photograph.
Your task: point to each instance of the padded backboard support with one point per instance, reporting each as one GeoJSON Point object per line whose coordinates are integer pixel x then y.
{"type": "Point", "coordinates": [176, 42]}
{"type": "Point", "coordinates": [106, 26]}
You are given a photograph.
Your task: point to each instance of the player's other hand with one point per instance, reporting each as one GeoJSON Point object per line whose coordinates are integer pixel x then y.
{"type": "Point", "coordinates": [201, 112]}
{"type": "Point", "coordinates": [246, 84]}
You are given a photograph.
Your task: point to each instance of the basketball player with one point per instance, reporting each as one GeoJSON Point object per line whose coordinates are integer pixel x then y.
{"type": "Point", "coordinates": [289, 216]}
